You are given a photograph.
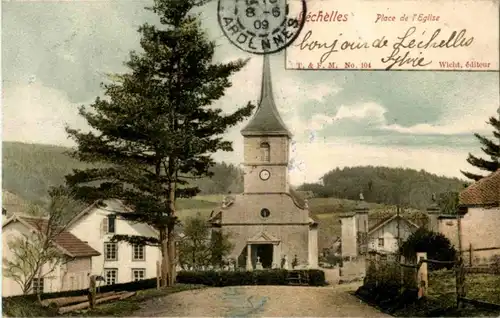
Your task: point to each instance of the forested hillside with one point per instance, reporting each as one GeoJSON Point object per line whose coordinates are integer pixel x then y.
{"type": "Point", "coordinates": [390, 186]}
{"type": "Point", "coordinates": [29, 170]}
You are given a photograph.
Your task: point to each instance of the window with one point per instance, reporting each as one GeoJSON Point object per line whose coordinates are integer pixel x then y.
{"type": "Point", "coordinates": [110, 275]}
{"type": "Point", "coordinates": [138, 274]}
{"type": "Point", "coordinates": [381, 242]}
{"type": "Point", "coordinates": [265, 213]}
{"type": "Point", "coordinates": [265, 152]}
{"type": "Point", "coordinates": [37, 285]}
{"type": "Point", "coordinates": [110, 251]}
{"type": "Point", "coordinates": [138, 252]}
{"type": "Point", "coordinates": [111, 223]}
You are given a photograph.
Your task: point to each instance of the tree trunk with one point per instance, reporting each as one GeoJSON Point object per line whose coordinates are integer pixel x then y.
{"type": "Point", "coordinates": [171, 256]}
{"type": "Point", "coordinates": [170, 234]}
{"type": "Point", "coordinates": [164, 258]}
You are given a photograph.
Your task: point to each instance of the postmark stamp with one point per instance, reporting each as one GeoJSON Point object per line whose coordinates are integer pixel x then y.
{"type": "Point", "coordinates": [261, 26]}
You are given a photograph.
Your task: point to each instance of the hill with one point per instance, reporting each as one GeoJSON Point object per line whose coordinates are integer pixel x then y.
{"type": "Point", "coordinates": [383, 185]}
{"type": "Point", "coordinates": [29, 170]}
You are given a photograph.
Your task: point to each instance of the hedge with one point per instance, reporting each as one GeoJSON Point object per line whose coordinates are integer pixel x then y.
{"type": "Point", "coordinates": [240, 278]}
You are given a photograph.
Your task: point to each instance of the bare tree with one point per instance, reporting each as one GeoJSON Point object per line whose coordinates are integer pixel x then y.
{"type": "Point", "coordinates": [35, 255]}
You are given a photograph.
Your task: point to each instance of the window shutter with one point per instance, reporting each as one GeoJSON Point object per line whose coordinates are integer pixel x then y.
{"type": "Point", "coordinates": [104, 226]}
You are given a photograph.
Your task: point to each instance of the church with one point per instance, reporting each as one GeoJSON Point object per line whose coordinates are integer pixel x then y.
{"type": "Point", "coordinates": [269, 223]}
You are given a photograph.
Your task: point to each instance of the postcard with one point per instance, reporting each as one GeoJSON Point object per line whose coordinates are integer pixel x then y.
{"type": "Point", "coordinates": [270, 158]}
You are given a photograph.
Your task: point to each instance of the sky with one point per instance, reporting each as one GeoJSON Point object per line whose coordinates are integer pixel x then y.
{"type": "Point", "coordinates": [56, 54]}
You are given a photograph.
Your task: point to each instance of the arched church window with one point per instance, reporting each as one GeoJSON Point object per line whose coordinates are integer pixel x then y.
{"type": "Point", "coordinates": [265, 152]}
{"type": "Point", "coordinates": [265, 213]}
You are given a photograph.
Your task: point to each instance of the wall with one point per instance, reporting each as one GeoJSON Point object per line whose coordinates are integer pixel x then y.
{"type": "Point", "coordinates": [479, 228]}
{"type": "Point", "coordinates": [294, 240]}
{"type": "Point", "coordinates": [480, 257]}
{"type": "Point", "coordinates": [389, 232]}
{"type": "Point", "coordinates": [362, 231]}
{"type": "Point", "coordinates": [313, 247]}
{"type": "Point", "coordinates": [348, 236]}
{"type": "Point", "coordinates": [52, 277]}
{"type": "Point", "coordinates": [246, 209]}
{"type": "Point", "coordinates": [88, 229]}
{"type": "Point", "coordinates": [75, 274]}
{"type": "Point", "coordinates": [277, 166]}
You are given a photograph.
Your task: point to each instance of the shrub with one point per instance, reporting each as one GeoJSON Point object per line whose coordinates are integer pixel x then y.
{"type": "Point", "coordinates": [240, 278]}
{"type": "Point", "coordinates": [436, 245]}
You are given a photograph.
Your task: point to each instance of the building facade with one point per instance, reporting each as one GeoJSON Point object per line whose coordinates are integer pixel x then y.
{"type": "Point", "coordinates": [383, 237]}
{"type": "Point", "coordinates": [68, 274]}
{"type": "Point", "coordinates": [269, 222]}
{"type": "Point", "coordinates": [118, 262]}
{"type": "Point", "coordinates": [480, 220]}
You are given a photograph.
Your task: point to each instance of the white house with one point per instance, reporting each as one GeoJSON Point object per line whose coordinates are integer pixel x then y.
{"type": "Point", "coordinates": [480, 212]}
{"type": "Point", "coordinates": [118, 262]}
{"type": "Point", "coordinates": [70, 275]}
{"type": "Point", "coordinates": [383, 236]}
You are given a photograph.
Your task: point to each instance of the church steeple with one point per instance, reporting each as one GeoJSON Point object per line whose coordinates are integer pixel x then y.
{"type": "Point", "coordinates": [266, 120]}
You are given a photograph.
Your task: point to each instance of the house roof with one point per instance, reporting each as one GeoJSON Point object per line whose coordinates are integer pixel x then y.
{"type": "Point", "coordinates": [104, 205]}
{"type": "Point", "coordinates": [266, 120]}
{"type": "Point", "coordinates": [483, 192]}
{"type": "Point", "coordinates": [65, 241]}
{"type": "Point", "coordinates": [97, 204]}
{"type": "Point", "coordinates": [388, 220]}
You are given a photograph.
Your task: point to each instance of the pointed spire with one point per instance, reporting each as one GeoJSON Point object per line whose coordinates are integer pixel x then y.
{"type": "Point", "coordinates": [266, 120]}
{"type": "Point", "coordinates": [266, 86]}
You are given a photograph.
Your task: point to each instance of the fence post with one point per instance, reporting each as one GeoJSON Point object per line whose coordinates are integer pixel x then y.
{"type": "Point", "coordinates": [92, 293]}
{"type": "Point", "coordinates": [460, 280]}
{"type": "Point", "coordinates": [422, 275]}
{"type": "Point", "coordinates": [470, 254]}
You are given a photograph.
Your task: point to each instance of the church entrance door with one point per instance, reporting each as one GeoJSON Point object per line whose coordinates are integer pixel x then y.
{"type": "Point", "coordinates": [265, 252]}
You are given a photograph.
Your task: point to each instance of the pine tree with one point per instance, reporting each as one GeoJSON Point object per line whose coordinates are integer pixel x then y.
{"type": "Point", "coordinates": [155, 130]}
{"type": "Point", "coordinates": [491, 148]}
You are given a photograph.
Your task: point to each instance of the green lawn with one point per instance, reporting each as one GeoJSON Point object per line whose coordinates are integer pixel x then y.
{"type": "Point", "coordinates": [484, 287]}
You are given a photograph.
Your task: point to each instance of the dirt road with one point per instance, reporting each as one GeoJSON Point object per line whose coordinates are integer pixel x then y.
{"type": "Point", "coordinates": [261, 301]}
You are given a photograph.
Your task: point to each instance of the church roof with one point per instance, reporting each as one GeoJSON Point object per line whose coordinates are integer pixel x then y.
{"type": "Point", "coordinates": [266, 120]}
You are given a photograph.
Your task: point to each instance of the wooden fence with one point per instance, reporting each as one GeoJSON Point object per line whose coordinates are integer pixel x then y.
{"type": "Point", "coordinates": [460, 271]}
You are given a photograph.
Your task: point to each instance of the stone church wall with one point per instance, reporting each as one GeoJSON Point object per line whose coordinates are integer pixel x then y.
{"type": "Point", "coordinates": [294, 240]}
{"type": "Point", "coordinates": [246, 209]}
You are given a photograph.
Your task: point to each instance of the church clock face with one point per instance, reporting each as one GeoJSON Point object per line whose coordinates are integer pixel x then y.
{"type": "Point", "coordinates": [264, 174]}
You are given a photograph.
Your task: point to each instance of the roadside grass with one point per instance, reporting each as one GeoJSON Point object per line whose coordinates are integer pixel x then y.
{"type": "Point", "coordinates": [483, 287]}
{"type": "Point", "coordinates": [19, 307]}
{"type": "Point", "coordinates": [126, 307]}
{"type": "Point", "coordinates": [441, 297]}
{"type": "Point", "coordinates": [120, 308]}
